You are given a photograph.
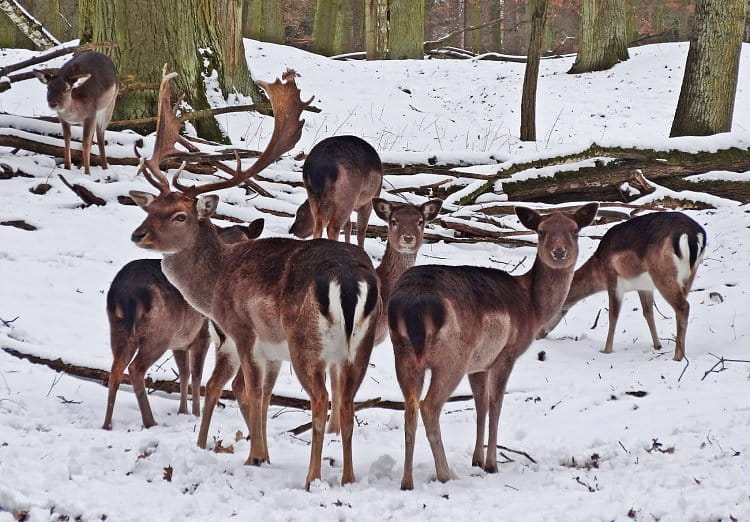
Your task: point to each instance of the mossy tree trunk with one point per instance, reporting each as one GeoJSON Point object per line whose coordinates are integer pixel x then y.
{"type": "Point", "coordinates": [603, 36]}
{"type": "Point", "coordinates": [181, 33]}
{"type": "Point", "coordinates": [472, 17]}
{"type": "Point", "coordinates": [709, 85]}
{"type": "Point", "coordinates": [531, 75]}
{"type": "Point", "coordinates": [263, 20]}
{"type": "Point", "coordinates": [332, 30]}
{"type": "Point", "coordinates": [376, 29]}
{"type": "Point", "coordinates": [406, 29]}
{"type": "Point", "coordinates": [86, 10]}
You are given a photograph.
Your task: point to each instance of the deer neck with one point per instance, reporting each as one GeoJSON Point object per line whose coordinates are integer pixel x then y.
{"type": "Point", "coordinates": [587, 280]}
{"type": "Point", "coordinates": [391, 267]}
{"type": "Point", "coordinates": [548, 287]}
{"type": "Point", "coordinates": [195, 269]}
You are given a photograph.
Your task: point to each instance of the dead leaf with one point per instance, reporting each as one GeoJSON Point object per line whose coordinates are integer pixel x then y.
{"type": "Point", "coordinates": [168, 473]}
{"type": "Point", "coordinates": [238, 436]}
{"type": "Point", "coordinates": [220, 448]}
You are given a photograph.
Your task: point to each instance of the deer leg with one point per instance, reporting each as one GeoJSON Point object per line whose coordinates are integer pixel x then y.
{"type": "Point", "coordinates": [497, 380]}
{"type": "Point", "coordinates": [123, 351]}
{"type": "Point", "coordinates": [333, 230]}
{"type": "Point", "coordinates": [615, 302]}
{"type": "Point", "coordinates": [269, 379]}
{"type": "Point", "coordinates": [197, 356]}
{"type": "Point", "coordinates": [334, 425]}
{"type": "Point", "coordinates": [478, 382]}
{"type": "Point", "coordinates": [442, 383]}
{"type": "Point", "coordinates": [183, 370]}
{"type": "Point", "coordinates": [363, 217]}
{"type": "Point", "coordinates": [238, 387]}
{"type": "Point", "coordinates": [88, 138]}
{"type": "Point", "coordinates": [677, 299]}
{"type": "Point", "coordinates": [647, 306]}
{"type": "Point", "coordinates": [137, 371]}
{"type": "Point", "coordinates": [223, 371]}
{"type": "Point", "coordinates": [100, 142]}
{"type": "Point", "coordinates": [410, 376]}
{"type": "Point", "coordinates": [348, 230]}
{"type": "Point", "coordinates": [66, 139]}
{"type": "Point", "coordinates": [317, 229]}
{"type": "Point", "coordinates": [253, 373]}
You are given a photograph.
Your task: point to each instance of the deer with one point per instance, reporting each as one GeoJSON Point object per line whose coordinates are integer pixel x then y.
{"type": "Point", "coordinates": [476, 321]}
{"type": "Point", "coordinates": [148, 315]}
{"type": "Point", "coordinates": [341, 174]}
{"type": "Point", "coordinates": [313, 303]}
{"type": "Point", "coordinates": [660, 251]}
{"type": "Point", "coordinates": [83, 92]}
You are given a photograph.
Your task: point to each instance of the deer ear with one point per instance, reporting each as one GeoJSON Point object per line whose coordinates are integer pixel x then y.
{"type": "Point", "coordinates": [142, 199]}
{"type": "Point", "coordinates": [255, 228]}
{"type": "Point", "coordinates": [77, 81]}
{"type": "Point", "coordinates": [382, 208]}
{"type": "Point", "coordinates": [46, 75]}
{"type": "Point", "coordinates": [530, 218]}
{"type": "Point", "coordinates": [206, 205]}
{"type": "Point", "coordinates": [585, 215]}
{"type": "Point", "coordinates": [431, 208]}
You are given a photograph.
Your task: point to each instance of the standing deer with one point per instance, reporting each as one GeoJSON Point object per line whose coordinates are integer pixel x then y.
{"type": "Point", "coordinates": [84, 92]}
{"type": "Point", "coordinates": [341, 174]}
{"type": "Point", "coordinates": [655, 251]}
{"type": "Point", "coordinates": [311, 302]}
{"type": "Point", "coordinates": [459, 320]}
{"type": "Point", "coordinates": [148, 315]}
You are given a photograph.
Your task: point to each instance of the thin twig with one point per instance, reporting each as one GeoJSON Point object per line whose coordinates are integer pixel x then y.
{"type": "Point", "coordinates": [8, 323]}
{"type": "Point", "coordinates": [687, 363]}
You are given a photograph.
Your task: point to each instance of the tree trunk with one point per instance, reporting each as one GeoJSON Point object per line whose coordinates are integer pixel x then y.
{"type": "Point", "coordinates": [708, 87]}
{"type": "Point", "coordinates": [86, 10]}
{"type": "Point", "coordinates": [492, 36]}
{"type": "Point", "coordinates": [34, 30]}
{"type": "Point", "coordinates": [376, 29]}
{"type": "Point", "coordinates": [332, 32]}
{"type": "Point", "coordinates": [406, 29]}
{"type": "Point", "coordinates": [603, 36]}
{"type": "Point", "coordinates": [197, 38]}
{"type": "Point", "coordinates": [357, 40]}
{"type": "Point", "coordinates": [263, 20]}
{"type": "Point", "coordinates": [528, 98]}
{"type": "Point", "coordinates": [472, 17]}
{"type": "Point", "coordinates": [746, 37]}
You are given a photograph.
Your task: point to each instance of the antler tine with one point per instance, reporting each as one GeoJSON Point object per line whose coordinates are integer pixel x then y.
{"type": "Point", "coordinates": [287, 130]}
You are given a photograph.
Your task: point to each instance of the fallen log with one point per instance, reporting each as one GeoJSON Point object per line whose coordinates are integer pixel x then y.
{"type": "Point", "coordinates": [102, 377]}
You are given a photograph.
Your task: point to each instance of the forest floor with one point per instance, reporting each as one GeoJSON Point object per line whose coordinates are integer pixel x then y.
{"type": "Point", "coordinates": [630, 435]}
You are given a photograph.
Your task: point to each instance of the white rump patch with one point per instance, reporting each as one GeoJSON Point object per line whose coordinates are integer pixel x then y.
{"type": "Point", "coordinates": [335, 347]}
{"type": "Point", "coordinates": [227, 348]}
{"type": "Point", "coordinates": [683, 262]}
{"type": "Point", "coordinates": [641, 282]}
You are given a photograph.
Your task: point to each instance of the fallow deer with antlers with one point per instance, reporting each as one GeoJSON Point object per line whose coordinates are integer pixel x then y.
{"type": "Point", "coordinates": [147, 316]}
{"type": "Point", "coordinates": [660, 251]}
{"type": "Point", "coordinates": [459, 320]}
{"type": "Point", "coordinates": [83, 92]}
{"type": "Point", "coordinates": [341, 174]}
{"type": "Point", "coordinates": [314, 303]}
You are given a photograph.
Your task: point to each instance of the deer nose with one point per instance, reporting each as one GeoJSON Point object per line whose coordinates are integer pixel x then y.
{"type": "Point", "coordinates": [138, 235]}
{"type": "Point", "coordinates": [559, 254]}
{"type": "Point", "coordinates": [408, 239]}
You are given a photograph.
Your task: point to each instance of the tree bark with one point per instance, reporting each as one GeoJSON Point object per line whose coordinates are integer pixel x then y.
{"type": "Point", "coordinates": [406, 29]}
{"type": "Point", "coordinates": [197, 38]}
{"type": "Point", "coordinates": [603, 36]}
{"type": "Point", "coordinates": [709, 85]}
{"type": "Point", "coordinates": [531, 75]}
{"type": "Point", "coordinates": [31, 27]}
{"type": "Point", "coordinates": [263, 20]}
{"type": "Point", "coordinates": [472, 17]}
{"type": "Point", "coordinates": [376, 29]}
{"type": "Point", "coordinates": [332, 32]}
{"type": "Point", "coordinates": [86, 10]}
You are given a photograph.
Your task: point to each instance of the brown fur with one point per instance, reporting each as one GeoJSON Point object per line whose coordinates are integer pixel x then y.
{"type": "Point", "coordinates": [464, 320]}
{"type": "Point", "coordinates": [83, 92]}
{"type": "Point", "coordinates": [266, 294]}
{"type": "Point", "coordinates": [147, 316]}
{"type": "Point", "coordinates": [644, 245]}
{"type": "Point", "coordinates": [341, 174]}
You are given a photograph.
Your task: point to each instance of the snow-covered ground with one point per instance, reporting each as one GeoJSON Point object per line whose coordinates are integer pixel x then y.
{"type": "Point", "coordinates": [591, 441]}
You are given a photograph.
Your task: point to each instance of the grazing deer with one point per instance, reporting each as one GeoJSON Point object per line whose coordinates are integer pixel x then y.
{"type": "Point", "coordinates": [83, 92]}
{"type": "Point", "coordinates": [314, 303]}
{"type": "Point", "coordinates": [459, 320]}
{"type": "Point", "coordinates": [341, 174]}
{"type": "Point", "coordinates": [659, 251]}
{"type": "Point", "coordinates": [148, 315]}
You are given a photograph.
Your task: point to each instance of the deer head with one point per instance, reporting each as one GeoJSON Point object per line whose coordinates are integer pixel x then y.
{"type": "Point", "coordinates": [174, 216]}
{"type": "Point", "coordinates": [60, 87]}
{"type": "Point", "coordinates": [406, 222]}
{"type": "Point", "coordinates": [558, 233]}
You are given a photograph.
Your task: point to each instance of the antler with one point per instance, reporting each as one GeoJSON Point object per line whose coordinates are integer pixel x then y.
{"type": "Point", "coordinates": [167, 135]}
{"type": "Point", "coordinates": [287, 130]}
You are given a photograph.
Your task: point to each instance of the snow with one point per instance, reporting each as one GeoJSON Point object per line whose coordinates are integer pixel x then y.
{"type": "Point", "coordinates": [56, 462]}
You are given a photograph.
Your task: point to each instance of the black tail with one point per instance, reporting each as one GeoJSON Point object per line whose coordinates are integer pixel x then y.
{"type": "Point", "coordinates": [317, 173]}
{"type": "Point", "coordinates": [131, 290]}
{"type": "Point", "coordinates": [414, 310]}
{"type": "Point", "coordinates": [695, 248]}
{"type": "Point", "coordinates": [128, 301]}
{"type": "Point", "coordinates": [349, 297]}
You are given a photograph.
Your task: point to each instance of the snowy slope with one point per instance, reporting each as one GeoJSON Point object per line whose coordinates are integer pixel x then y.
{"type": "Point", "coordinates": [56, 462]}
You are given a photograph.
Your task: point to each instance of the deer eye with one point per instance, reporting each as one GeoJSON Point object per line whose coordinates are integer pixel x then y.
{"type": "Point", "coordinates": [179, 217]}
{"type": "Point", "coordinates": [394, 222]}
{"type": "Point", "coordinates": [420, 222]}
